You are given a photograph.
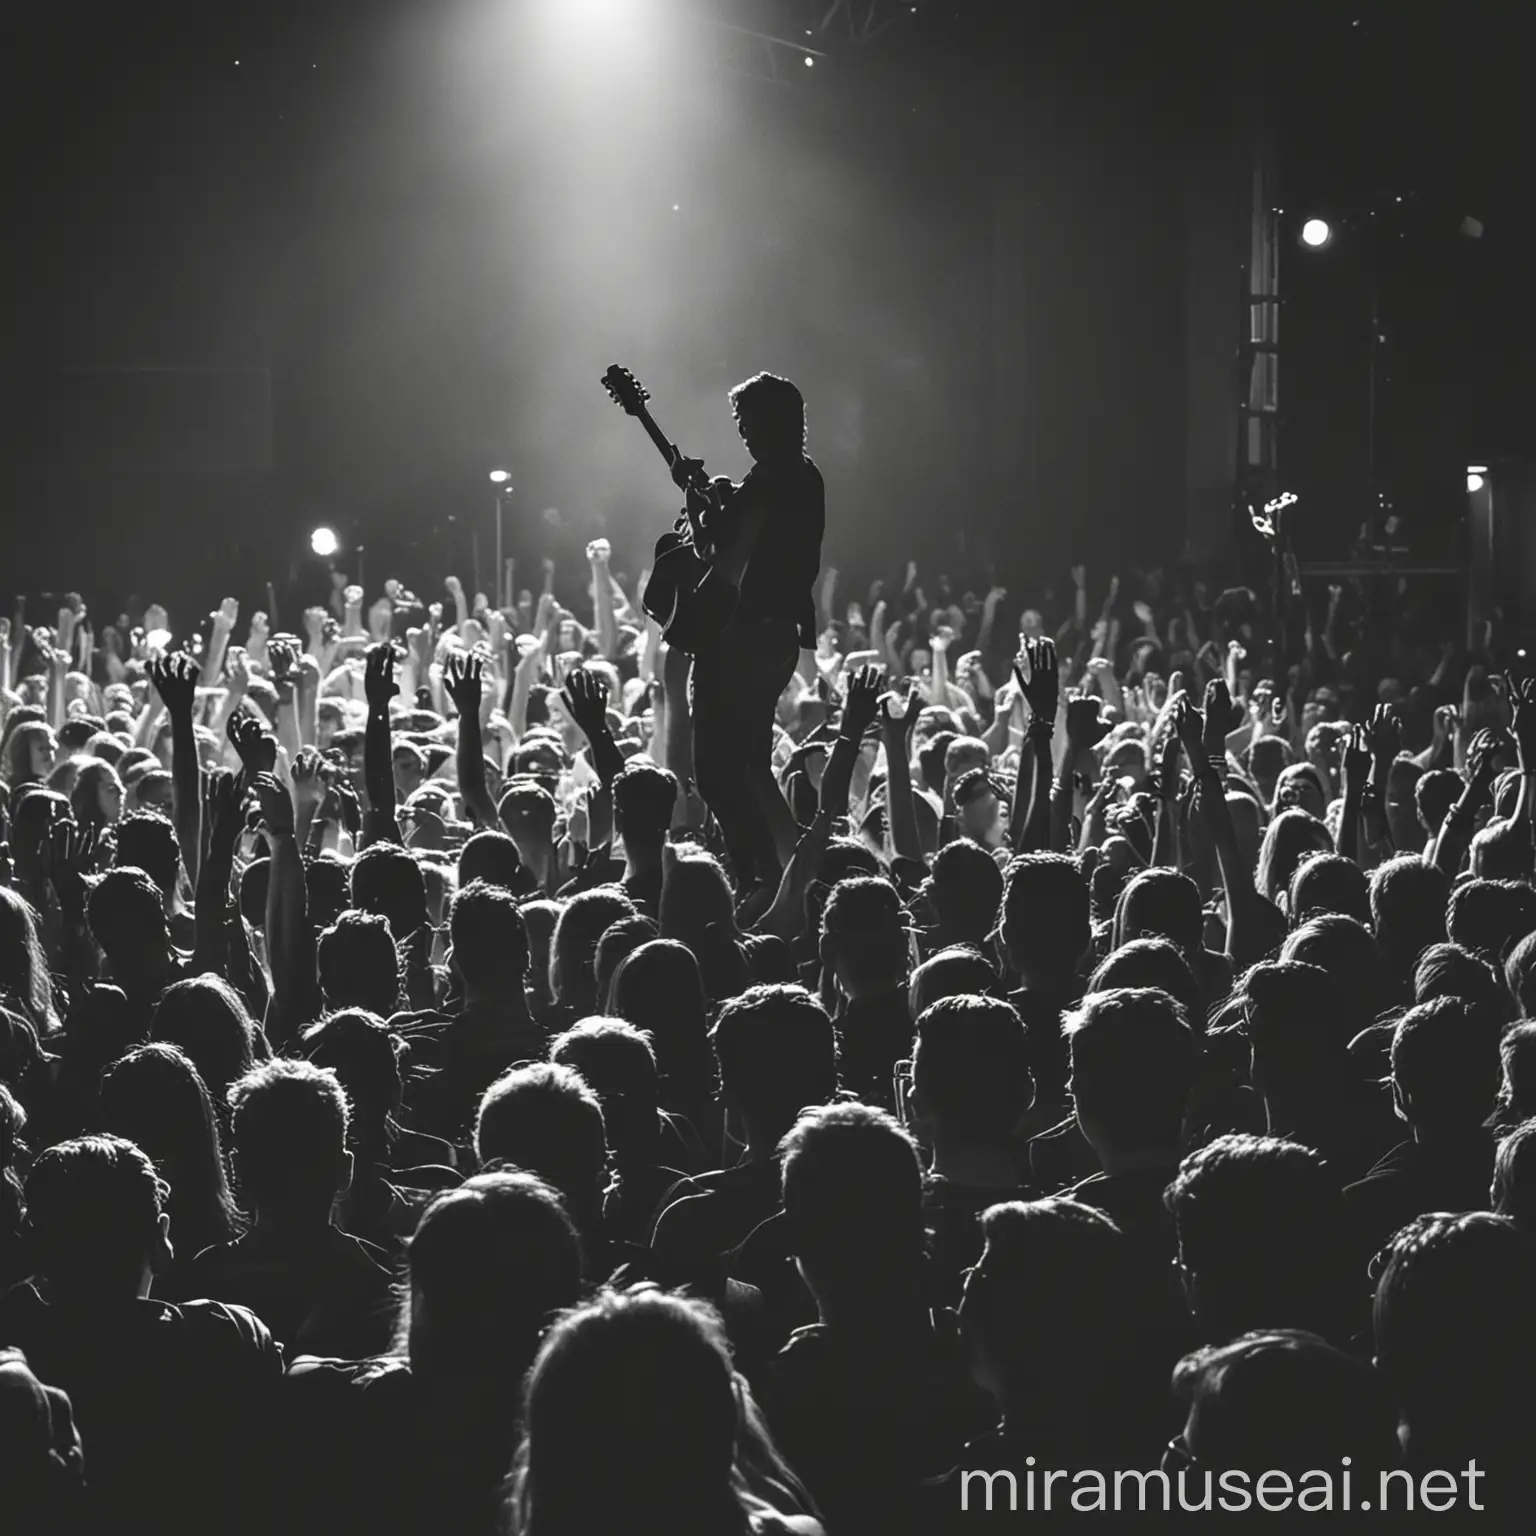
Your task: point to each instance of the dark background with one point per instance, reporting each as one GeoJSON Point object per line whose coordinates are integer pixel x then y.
{"type": "Point", "coordinates": [998, 248]}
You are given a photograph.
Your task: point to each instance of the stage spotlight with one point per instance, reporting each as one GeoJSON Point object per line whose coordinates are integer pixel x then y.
{"type": "Point", "coordinates": [324, 542]}
{"type": "Point", "coordinates": [499, 477]}
{"type": "Point", "coordinates": [1475, 481]}
{"type": "Point", "coordinates": [1316, 233]}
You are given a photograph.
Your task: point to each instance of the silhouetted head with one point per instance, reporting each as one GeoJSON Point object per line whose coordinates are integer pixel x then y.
{"type": "Point", "coordinates": [1133, 1068]}
{"type": "Point", "coordinates": [545, 1120]}
{"type": "Point", "coordinates": [1285, 1400]}
{"type": "Point", "coordinates": [1260, 1226]}
{"type": "Point", "coordinates": [490, 1263]}
{"type": "Point", "coordinates": [573, 955]}
{"type": "Point", "coordinates": [777, 1054]}
{"type": "Point", "coordinates": [289, 1123]}
{"type": "Point", "coordinates": [204, 1016]}
{"type": "Point", "coordinates": [97, 1220]}
{"type": "Point", "coordinates": [971, 1081]}
{"type": "Point", "coordinates": [770, 416]}
{"type": "Point", "coordinates": [595, 1397]}
{"type": "Point", "coordinates": [489, 939]}
{"type": "Point", "coordinates": [359, 964]}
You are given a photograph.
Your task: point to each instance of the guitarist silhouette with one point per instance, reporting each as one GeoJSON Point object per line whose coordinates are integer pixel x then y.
{"type": "Point", "coordinates": [764, 539]}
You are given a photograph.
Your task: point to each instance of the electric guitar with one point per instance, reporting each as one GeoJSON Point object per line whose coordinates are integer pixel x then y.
{"type": "Point", "coordinates": [694, 586]}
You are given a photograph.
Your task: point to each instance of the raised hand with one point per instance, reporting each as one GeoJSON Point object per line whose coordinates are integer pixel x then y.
{"type": "Point", "coordinates": [1080, 576]}
{"type": "Point", "coordinates": [1086, 725]}
{"type": "Point", "coordinates": [1039, 680]}
{"type": "Point", "coordinates": [225, 616]}
{"type": "Point", "coordinates": [275, 803]}
{"type": "Point", "coordinates": [175, 679]}
{"type": "Point", "coordinates": [1357, 761]}
{"type": "Point", "coordinates": [941, 639]}
{"type": "Point", "coordinates": [379, 685]}
{"type": "Point", "coordinates": [237, 668]}
{"type": "Point", "coordinates": [314, 626]}
{"type": "Point", "coordinates": [1447, 718]}
{"type": "Point", "coordinates": [464, 679]}
{"type": "Point", "coordinates": [255, 747]}
{"type": "Point", "coordinates": [1222, 717]}
{"type": "Point", "coordinates": [1481, 759]}
{"type": "Point", "coordinates": [1168, 767]}
{"type": "Point", "coordinates": [1143, 612]}
{"type": "Point", "coordinates": [585, 696]}
{"type": "Point", "coordinates": [1189, 723]}
{"type": "Point", "coordinates": [222, 812]}
{"type": "Point", "coordinates": [899, 729]}
{"type": "Point", "coordinates": [454, 588]}
{"type": "Point", "coordinates": [861, 702]}
{"type": "Point", "coordinates": [1386, 737]}
{"type": "Point", "coordinates": [260, 633]}
{"type": "Point", "coordinates": [311, 777]}
{"type": "Point", "coordinates": [1522, 698]}
{"type": "Point", "coordinates": [283, 657]}
{"type": "Point", "coordinates": [74, 854]}
{"type": "Point", "coordinates": [599, 551]}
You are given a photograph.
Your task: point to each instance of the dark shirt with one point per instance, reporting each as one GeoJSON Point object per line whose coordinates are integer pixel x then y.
{"type": "Point", "coordinates": [786, 559]}
{"type": "Point", "coordinates": [866, 1417]}
{"type": "Point", "coordinates": [953, 1216]}
{"type": "Point", "coordinates": [874, 1033]}
{"type": "Point", "coordinates": [174, 1404]}
{"type": "Point", "coordinates": [452, 1060]}
{"type": "Point", "coordinates": [378, 1452]}
{"type": "Point", "coordinates": [1415, 1178]}
{"type": "Point", "coordinates": [1134, 1202]}
{"type": "Point", "coordinates": [1049, 1054]}
{"type": "Point", "coordinates": [703, 1218]}
{"type": "Point", "coordinates": [331, 1295]}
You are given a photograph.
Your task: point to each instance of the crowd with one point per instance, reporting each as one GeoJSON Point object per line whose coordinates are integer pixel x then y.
{"type": "Point", "coordinates": [407, 1125]}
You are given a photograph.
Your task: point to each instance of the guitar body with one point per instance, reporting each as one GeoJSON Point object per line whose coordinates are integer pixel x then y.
{"type": "Point", "coordinates": [691, 601]}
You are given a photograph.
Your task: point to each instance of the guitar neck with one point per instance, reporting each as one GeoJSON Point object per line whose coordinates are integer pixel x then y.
{"type": "Point", "coordinates": [663, 446]}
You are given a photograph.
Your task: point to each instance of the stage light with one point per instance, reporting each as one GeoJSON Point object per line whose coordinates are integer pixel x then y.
{"type": "Point", "coordinates": [499, 477]}
{"type": "Point", "coordinates": [809, 62]}
{"type": "Point", "coordinates": [325, 543]}
{"type": "Point", "coordinates": [1316, 233]}
{"type": "Point", "coordinates": [1477, 469]}
{"type": "Point", "coordinates": [1475, 482]}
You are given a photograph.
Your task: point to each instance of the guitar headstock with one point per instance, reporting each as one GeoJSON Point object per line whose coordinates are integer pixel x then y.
{"type": "Point", "coordinates": [626, 390]}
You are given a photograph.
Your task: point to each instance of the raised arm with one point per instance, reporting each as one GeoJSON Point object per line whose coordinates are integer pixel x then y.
{"type": "Point", "coordinates": [464, 679]}
{"type": "Point", "coordinates": [1167, 852]}
{"type": "Point", "coordinates": [290, 940]}
{"type": "Point", "coordinates": [900, 806]}
{"type": "Point", "coordinates": [603, 619]}
{"type": "Point", "coordinates": [224, 799]}
{"type": "Point", "coordinates": [1522, 696]}
{"type": "Point", "coordinates": [1455, 835]}
{"type": "Point", "coordinates": [1039, 681]}
{"type": "Point", "coordinates": [379, 687]}
{"type": "Point", "coordinates": [174, 679]}
{"type": "Point", "coordinates": [585, 696]}
{"type": "Point", "coordinates": [1204, 738]}
{"type": "Point", "coordinates": [284, 652]}
{"type": "Point", "coordinates": [1386, 740]}
{"type": "Point", "coordinates": [1356, 767]}
{"type": "Point", "coordinates": [222, 628]}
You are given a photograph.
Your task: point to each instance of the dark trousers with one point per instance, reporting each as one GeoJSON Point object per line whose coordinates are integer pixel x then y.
{"type": "Point", "coordinates": [734, 692]}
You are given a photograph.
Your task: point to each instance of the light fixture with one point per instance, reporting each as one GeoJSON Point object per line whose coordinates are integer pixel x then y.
{"type": "Point", "coordinates": [499, 477]}
{"type": "Point", "coordinates": [325, 543]}
{"type": "Point", "coordinates": [1475, 482]}
{"type": "Point", "coordinates": [1316, 233]}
